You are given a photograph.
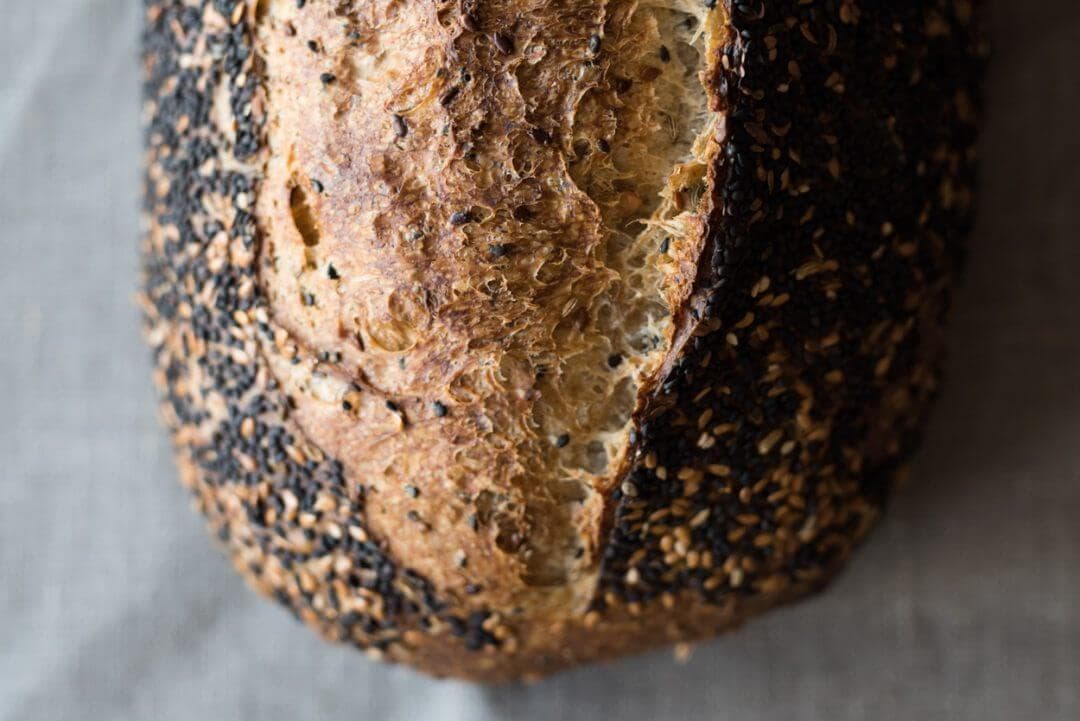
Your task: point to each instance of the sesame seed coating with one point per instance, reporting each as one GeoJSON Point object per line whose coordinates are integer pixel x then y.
{"type": "Point", "coordinates": [286, 513]}
{"type": "Point", "coordinates": [837, 229]}
{"type": "Point", "coordinates": [809, 345]}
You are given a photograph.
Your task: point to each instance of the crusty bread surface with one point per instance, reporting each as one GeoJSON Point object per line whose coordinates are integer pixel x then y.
{"type": "Point", "coordinates": [498, 336]}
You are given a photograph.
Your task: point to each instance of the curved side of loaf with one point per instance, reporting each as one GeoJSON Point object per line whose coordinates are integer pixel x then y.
{"type": "Point", "coordinates": [501, 336]}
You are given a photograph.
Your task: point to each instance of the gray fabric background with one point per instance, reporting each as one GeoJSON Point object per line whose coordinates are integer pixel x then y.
{"type": "Point", "coordinates": [115, 605]}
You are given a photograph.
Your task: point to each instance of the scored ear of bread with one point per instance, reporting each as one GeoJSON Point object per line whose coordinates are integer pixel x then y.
{"type": "Point", "coordinates": [511, 236]}
{"type": "Point", "coordinates": [498, 336]}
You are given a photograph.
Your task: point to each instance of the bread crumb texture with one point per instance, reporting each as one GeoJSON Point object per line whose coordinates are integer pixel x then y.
{"type": "Point", "coordinates": [497, 336]}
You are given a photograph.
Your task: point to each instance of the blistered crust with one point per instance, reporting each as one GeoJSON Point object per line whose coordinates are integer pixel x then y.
{"type": "Point", "coordinates": [457, 252]}
{"type": "Point", "coordinates": [482, 357]}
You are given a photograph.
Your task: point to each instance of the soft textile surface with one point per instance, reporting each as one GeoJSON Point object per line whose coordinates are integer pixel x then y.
{"type": "Point", "coordinates": [965, 604]}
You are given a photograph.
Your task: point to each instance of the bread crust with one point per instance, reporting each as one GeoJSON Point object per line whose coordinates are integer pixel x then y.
{"type": "Point", "coordinates": [349, 299]}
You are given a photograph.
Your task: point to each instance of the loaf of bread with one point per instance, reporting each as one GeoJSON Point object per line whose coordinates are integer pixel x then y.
{"type": "Point", "coordinates": [498, 336]}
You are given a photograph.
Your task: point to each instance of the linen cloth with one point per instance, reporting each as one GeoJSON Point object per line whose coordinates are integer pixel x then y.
{"type": "Point", "coordinates": [114, 604]}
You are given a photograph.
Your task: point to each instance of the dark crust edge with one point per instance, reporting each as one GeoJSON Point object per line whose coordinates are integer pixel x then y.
{"type": "Point", "coordinates": [282, 509]}
{"type": "Point", "coordinates": [847, 184]}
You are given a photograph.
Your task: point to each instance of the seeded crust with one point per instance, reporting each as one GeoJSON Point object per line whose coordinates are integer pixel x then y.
{"type": "Point", "coordinates": [466, 367]}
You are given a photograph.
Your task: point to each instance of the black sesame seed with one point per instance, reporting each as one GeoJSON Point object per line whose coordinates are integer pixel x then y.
{"type": "Point", "coordinates": [461, 217]}
{"type": "Point", "coordinates": [594, 44]}
{"type": "Point", "coordinates": [328, 78]}
{"type": "Point", "coordinates": [562, 440]}
{"type": "Point", "coordinates": [438, 409]}
{"type": "Point", "coordinates": [400, 128]}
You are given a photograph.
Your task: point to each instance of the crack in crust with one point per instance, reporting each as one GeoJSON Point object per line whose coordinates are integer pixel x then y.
{"type": "Point", "coordinates": [509, 224]}
{"type": "Point", "coordinates": [816, 346]}
{"type": "Point", "coordinates": [450, 176]}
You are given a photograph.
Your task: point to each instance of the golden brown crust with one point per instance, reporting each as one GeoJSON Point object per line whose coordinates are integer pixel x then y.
{"type": "Point", "coordinates": [494, 341]}
{"type": "Point", "coordinates": [435, 233]}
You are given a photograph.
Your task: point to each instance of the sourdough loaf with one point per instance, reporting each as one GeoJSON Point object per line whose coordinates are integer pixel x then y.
{"type": "Point", "coordinates": [498, 336]}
